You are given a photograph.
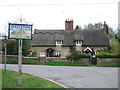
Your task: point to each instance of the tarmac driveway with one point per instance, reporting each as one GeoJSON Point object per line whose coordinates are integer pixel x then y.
{"type": "Point", "coordinates": [74, 77]}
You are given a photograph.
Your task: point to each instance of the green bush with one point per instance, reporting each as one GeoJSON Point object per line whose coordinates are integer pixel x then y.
{"type": "Point", "coordinates": [86, 55]}
{"type": "Point", "coordinates": [30, 62]}
{"type": "Point", "coordinates": [74, 55]}
{"type": "Point", "coordinates": [107, 55]}
{"type": "Point", "coordinates": [11, 61]}
{"type": "Point", "coordinates": [34, 54]}
{"type": "Point", "coordinates": [15, 61]}
{"type": "Point", "coordinates": [67, 63]}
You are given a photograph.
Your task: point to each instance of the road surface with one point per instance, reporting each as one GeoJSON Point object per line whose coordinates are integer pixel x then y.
{"type": "Point", "coordinates": [73, 77]}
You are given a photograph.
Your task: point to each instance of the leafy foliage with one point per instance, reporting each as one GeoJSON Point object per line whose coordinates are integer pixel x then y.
{"type": "Point", "coordinates": [85, 55]}
{"type": "Point", "coordinates": [31, 62]}
{"type": "Point", "coordinates": [67, 63]}
{"type": "Point", "coordinates": [107, 55]}
{"type": "Point", "coordinates": [34, 54]}
{"type": "Point", "coordinates": [74, 55]}
{"type": "Point", "coordinates": [15, 61]}
{"type": "Point", "coordinates": [26, 47]}
{"type": "Point", "coordinates": [12, 47]}
{"type": "Point", "coordinates": [72, 49]}
{"type": "Point", "coordinates": [99, 26]}
{"type": "Point", "coordinates": [113, 50]}
{"type": "Point", "coordinates": [115, 46]}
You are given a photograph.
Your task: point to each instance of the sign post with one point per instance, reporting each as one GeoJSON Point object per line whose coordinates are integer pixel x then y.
{"type": "Point", "coordinates": [20, 62]}
{"type": "Point", "coordinates": [20, 31]}
{"type": "Point", "coordinates": [5, 53]}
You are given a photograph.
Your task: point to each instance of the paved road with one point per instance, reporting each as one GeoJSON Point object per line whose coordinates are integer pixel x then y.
{"type": "Point", "coordinates": [74, 77]}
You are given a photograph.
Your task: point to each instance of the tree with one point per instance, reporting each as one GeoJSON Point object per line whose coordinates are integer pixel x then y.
{"type": "Point", "coordinates": [12, 47]}
{"type": "Point", "coordinates": [26, 47]}
{"type": "Point", "coordinates": [117, 34]}
{"type": "Point", "coordinates": [90, 26]}
{"type": "Point", "coordinates": [78, 27]}
{"type": "Point", "coordinates": [111, 33]}
{"type": "Point", "coordinates": [100, 26]}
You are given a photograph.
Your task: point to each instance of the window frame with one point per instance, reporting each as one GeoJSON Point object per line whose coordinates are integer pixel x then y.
{"type": "Point", "coordinates": [78, 42]}
{"type": "Point", "coordinates": [42, 54]}
{"type": "Point", "coordinates": [59, 42]}
{"type": "Point", "coordinates": [58, 53]}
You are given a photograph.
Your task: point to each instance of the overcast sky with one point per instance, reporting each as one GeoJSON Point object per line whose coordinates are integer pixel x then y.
{"type": "Point", "coordinates": [51, 14]}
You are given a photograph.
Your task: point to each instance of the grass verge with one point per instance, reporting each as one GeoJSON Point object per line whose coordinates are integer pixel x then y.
{"type": "Point", "coordinates": [109, 64]}
{"type": "Point", "coordinates": [10, 80]}
{"type": "Point", "coordinates": [67, 63]}
{"type": "Point", "coordinates": [15, 61]}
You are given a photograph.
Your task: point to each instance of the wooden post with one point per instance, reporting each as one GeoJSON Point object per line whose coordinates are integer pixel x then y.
{"type": "Point", "coordinates": [20, 63]}
{"type": "Point", "coordinates": [5, 53]}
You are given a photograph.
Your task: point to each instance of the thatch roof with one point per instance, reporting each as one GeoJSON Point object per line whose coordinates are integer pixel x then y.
{"type": "Point", "coordinates": [89, 37]}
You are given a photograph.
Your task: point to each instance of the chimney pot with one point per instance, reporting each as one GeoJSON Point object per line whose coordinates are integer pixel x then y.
{"type": "Point", "coordinates": [105, 28]}
{"type": "Point", "coordinates": [69, 24]}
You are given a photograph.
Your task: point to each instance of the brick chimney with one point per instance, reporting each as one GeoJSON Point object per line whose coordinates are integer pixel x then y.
{"type": "Point", "coordinates": [69, 24]}
{"type": "Point", "coordinates": [105, 28]}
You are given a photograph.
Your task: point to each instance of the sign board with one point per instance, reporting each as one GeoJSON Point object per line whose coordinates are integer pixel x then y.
{"type": "Point", "coordinates": [19, 31]}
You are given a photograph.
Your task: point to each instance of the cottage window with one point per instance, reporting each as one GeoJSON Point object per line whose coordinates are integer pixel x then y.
{"type": "Point", "coordinates": [78, 42]}
{"type": "Point", "coordinates": [42, 54]}
{"type": "Point", "coordinates": [58, 53]}
{"type": "Point", "coordinates": [59, 42]}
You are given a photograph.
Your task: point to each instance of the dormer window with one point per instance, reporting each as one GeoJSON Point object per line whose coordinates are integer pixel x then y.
{"type": "Point", "coordinates": [59, 42]}
{"type": "Point", "coordinates": [78, 42]}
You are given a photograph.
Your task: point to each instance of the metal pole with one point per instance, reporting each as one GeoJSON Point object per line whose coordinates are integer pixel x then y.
{"type": "Point", "coordinates": [20, 63]}
{"type": "Point", "coordinates": [5, 54]}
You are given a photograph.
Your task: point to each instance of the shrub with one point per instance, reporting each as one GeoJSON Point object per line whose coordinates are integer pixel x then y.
{"type": "Point", "coordinates": [74, 55]}
{"type": "Point", "coordinates": [67, 63]}
{"type": "Point", "coordinates": [11, 61]}
{"type": "Point", "coordinates": [30, 62]}
{"type": "Point", "coordinates": [107, 55]}
{"type": "Point", "coordinates": [34, 54]}
{"type": "Point", "coordinates": [86, 55]}
{"type": "Point", "coordinates": [15, 61]}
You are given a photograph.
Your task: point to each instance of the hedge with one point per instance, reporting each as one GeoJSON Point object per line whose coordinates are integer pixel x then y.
{"type": "Point", "coordinates": [86, 55]}
{"type": "Point", "coordinates": [98, 55]}
{"type": "Point", "coordinates": [107, 55]}
{"type": "Point", "coordinates": [75, 55]}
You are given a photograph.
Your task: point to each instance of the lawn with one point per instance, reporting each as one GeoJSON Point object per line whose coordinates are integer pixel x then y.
{"type": "Point", "coordinates": [67, 63]}
{"type": "Point", "coordinates": [62, 63]}
{"type": "Point", "coordinates": [0, 79]}
{"type": "Point", "coordinates": [10, 80]}
{"type": "Point", "coordinates": [15, 61]}
{"type": "Point", "coordinates": [109, 64]}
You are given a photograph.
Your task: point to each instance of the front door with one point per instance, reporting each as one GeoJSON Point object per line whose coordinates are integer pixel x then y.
{"type": "Point", "coordinates": [50, 52]}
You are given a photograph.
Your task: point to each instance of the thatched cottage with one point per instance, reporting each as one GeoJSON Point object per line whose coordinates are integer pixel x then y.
{"type": "Point", "coordinates": [48, 43]}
